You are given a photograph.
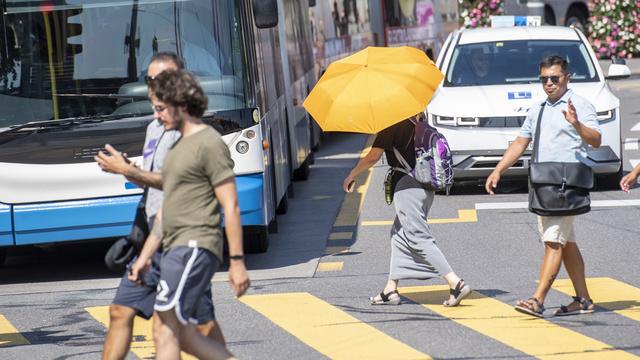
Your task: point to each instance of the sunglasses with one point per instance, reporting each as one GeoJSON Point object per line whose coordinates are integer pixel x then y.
{"type": "Point", "coordinates": [554, 79]}
{"type": "Point", "coordinates": [158, 108]}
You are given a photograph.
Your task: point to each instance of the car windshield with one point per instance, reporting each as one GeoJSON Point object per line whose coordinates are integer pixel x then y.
{"type": "Point", "coordinates": [515, 62]}
{"type": "Point", "coordinates": [74, 58]}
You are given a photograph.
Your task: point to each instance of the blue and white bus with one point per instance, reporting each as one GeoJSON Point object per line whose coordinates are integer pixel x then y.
{"type": "Point", "coordinates": [71, 80]}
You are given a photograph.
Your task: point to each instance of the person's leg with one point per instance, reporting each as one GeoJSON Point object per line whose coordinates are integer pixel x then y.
{"type": "Point", "coordinates": [201, 347]}
{"type": "Point", "coordinates": [166, 335]}
{"type": "Point", "coordinates": [550, 267]}
{"type": "Point", "coordinates": [118, 339]}
{"type": "Point", "coordinates": [212, 330]}
{"type": "Point", "coordinates": [574, 264]}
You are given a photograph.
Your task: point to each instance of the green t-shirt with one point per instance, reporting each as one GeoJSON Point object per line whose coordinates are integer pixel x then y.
{"type": "Point", "coordinates": [191, 211]}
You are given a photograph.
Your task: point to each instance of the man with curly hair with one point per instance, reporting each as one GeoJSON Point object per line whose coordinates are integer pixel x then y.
{"type": "Point", "coordinates": [198, 182]}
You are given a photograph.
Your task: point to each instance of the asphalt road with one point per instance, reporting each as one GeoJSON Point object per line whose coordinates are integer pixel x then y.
{"type": "Point", "coordinates": [309, 298]}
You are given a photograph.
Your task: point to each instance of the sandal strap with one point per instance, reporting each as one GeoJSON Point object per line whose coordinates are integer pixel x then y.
{"type": "Point", "coordinates": [538, 304]}
{"type": "Point", "coordinates": [385, 297]}
{"type": "Point", "coordinates": [456, 292]}
{"type": "Point", "coordinates": [584, 303]}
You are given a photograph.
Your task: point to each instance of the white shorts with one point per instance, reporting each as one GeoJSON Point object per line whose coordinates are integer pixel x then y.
{"type": "Point", "coordinates": [557, 229]}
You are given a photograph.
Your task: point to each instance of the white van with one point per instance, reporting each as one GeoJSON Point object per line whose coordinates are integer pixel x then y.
{"type": "Point", "coordinates": [491, 80]}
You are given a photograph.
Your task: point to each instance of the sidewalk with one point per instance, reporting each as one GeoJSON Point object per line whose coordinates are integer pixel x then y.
{"type": "Point", "coordinates": [633, 64]}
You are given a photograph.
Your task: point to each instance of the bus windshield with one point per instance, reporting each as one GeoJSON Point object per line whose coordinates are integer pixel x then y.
{"type": "Point", "coordinates": [515, 62]}
{"type": "Point", "coordinates": [73, 58]}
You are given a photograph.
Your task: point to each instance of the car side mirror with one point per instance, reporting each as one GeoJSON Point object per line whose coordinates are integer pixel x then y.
{"type": "Point", "coordinates": [618, 69]}
{"type": "Point", "coordinates": [265, 13]}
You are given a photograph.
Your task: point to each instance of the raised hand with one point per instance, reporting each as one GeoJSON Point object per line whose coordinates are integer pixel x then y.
{"type": "Point", "coordinates": [570, 114]}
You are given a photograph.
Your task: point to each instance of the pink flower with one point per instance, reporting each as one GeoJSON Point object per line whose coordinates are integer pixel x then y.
{"type": "Point", "coordinates": [597, 43]}
{"type": "Point", "coordinates": [613, 44]}
{"type": "Point", "coordinates": [474, 23]}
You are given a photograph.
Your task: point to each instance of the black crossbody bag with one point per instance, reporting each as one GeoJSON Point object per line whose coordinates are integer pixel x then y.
{"type": "Point", "coordinates": [558, 188]}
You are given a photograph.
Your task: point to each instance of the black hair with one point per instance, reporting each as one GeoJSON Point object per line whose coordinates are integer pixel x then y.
{"type": "Point", "coordinates": [180, 88]}
{"type": "Point", "coordinates": [167, 56]}
{"type": "Point", "coordinates": [551, 60]}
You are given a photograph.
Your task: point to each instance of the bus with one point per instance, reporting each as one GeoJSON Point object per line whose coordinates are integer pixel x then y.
{"type": "Point", "coordinates": [423, 24]}
{"type": "Point", "coordinates": [552, 12]}
{"type": "Point", "coordinates": [339, 29]}
{"type": "Point", "coordinates": [72, 80]}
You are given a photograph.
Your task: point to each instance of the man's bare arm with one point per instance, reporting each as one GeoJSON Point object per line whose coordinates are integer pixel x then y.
{"type": "Point", "coordinates": [146, 178]}
{"type": "Point", "coordinates": [116, 163]}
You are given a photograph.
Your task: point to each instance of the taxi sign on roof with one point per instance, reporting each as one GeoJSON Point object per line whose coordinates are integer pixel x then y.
{"type": "Point", "coordinates": [511, 21]}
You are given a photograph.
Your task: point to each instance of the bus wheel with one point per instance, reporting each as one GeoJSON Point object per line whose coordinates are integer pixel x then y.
{"type": "Point", "coordinates": [283, 206]}
{"type": "Point", "coordinates": [302, 173]}
{"type": "Point", "coordinates": [3, 256]}
{"type": "Point", "coordinates": [256, 241]}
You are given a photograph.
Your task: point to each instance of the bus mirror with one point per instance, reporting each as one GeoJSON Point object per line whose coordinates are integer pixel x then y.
{"type": "Point", "coordinates": [312, 3]}
{"type": "Point", "coordinates": [265, 13]}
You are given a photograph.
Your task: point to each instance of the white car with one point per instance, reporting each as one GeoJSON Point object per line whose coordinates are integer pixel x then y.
{"type": "Point", "coordinates": [491, 80]}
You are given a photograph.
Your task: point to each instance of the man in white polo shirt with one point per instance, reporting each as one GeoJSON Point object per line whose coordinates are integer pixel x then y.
{"type": "Point", "coordinates": [569, 123]}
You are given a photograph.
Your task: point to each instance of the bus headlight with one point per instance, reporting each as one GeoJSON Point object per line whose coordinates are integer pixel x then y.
{"type": "Point", "coordinates": [242, 147]}
{"type": "Point", "coordinates": [606, 116]}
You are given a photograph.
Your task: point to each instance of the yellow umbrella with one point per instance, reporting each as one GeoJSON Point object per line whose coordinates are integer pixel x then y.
{"type": "Point", "coordinates": [373, 89]}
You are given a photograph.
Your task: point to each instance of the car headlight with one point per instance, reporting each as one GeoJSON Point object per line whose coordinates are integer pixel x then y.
{"type": "Point", "coordinates": [606, 116]}
{"type": "Point", "coordinates": [456, 121]}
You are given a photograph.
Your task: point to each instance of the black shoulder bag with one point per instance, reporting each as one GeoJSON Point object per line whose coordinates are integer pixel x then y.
{"type": "Point", "coordinates": [558, 188]}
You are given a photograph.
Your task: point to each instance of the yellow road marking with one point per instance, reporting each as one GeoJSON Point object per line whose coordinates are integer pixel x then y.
{"type": "Point", "coordinates": [341, 235]}
{"type": "Point", "coordinates": [350, 209]}
{"type": "Point", "coordinates": [329, 250]}
{"type": "Point", "coordinates": [330, 266]}
{"type": "Point", "coordinates": [608, 293]}
{"type": "Point", "coordinates": [464, 215]}
{"type": "Point", "coordinates": [9, 335]}
{"type": "Point", "coordinates": [327, 329]}
{"type": "Point", "coordinates": [532, 336]}
{"type": "Point", "coordinates": [142, 344]}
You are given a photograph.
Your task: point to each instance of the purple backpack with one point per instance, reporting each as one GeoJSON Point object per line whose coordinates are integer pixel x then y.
{"type": "Point", "coordinates": [434, 164]}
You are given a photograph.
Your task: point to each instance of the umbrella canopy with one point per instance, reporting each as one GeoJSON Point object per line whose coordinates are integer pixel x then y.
{"type": "Point", "coordinates": [373, 89]}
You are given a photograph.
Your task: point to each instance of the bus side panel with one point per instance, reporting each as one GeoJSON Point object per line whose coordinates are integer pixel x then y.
{"type": "Point", "coordinates": [6, 231]}
{"type": "Point", "coordinates": [250, 189]}
{"type": "Point", "coordinates": [74, 220]}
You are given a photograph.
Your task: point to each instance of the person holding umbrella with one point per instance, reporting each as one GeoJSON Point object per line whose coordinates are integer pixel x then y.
{"type": "Point", "coordinates": [383, 91]}
{"type": "Point", "coordinates": [414, 253]}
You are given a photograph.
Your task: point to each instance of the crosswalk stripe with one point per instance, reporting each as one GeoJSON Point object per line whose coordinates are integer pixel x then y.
{"type": "Point", "coordinates": [328, 329]}
{"type": "Point", "coordinates": [464, 216]}
{"type": "Point", "coordinates": [535, 337]}
{"type": "Point", "coordinates": [330, 266]}
{"type": "Point", "coordinates": [608, 293]}
{"type": "Point", "coordinates": [352, 203]}
{"type": "Point", "coordinates": [9, 335]}
{"type": "Point", "coordinates": [142, 344]}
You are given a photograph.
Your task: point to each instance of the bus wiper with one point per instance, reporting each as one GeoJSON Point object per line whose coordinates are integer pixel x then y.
{"type": "Point", "coordinates": [66, 122]}
{"type": "Point", "coordinates": [108, 96]}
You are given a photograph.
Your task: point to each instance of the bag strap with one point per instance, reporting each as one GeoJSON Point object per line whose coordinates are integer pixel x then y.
{"type": "Point", "coordinates": [407, 169]}
{"type": "Point", "coordinates": [536, 142]}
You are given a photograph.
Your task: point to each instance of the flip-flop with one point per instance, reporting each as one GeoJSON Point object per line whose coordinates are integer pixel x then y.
{"type": "Point", "coordinates": [583, 309]}
{"type": "Point", "coordinates": [529, 308]}
{"type": "Point", "coordinates": [459, 292]}
{"type": "Point", "coordinates": [386, 299]}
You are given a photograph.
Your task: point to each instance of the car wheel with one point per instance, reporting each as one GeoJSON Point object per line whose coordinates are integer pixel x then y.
{"type": "Point", "coordinates": [609, 181]}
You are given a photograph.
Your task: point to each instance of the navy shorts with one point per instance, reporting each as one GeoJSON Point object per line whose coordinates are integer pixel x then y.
{"type": "Point", "coordinates": [185, 275]}
{"type": "Point", "coordinates": [142, 297]}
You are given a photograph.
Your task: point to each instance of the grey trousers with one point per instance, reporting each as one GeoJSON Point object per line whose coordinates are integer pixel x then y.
{"type": "Point", "coordinates": [414, 253]}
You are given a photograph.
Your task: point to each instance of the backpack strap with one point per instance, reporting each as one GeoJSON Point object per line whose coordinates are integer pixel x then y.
{"type": "Point", "coordinates": [406, 168]}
